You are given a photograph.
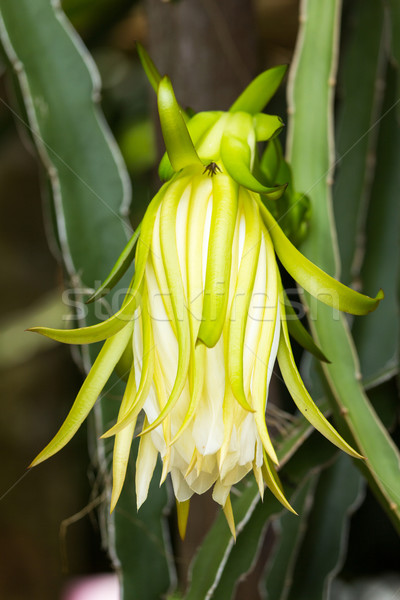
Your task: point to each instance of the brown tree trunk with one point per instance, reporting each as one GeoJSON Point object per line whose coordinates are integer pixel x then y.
{"type": "Point", "coordinates": [207, 47]}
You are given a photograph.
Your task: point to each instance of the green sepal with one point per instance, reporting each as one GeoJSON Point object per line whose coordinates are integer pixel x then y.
{"type": "Point", "coordinates": [129, 416]}
{"type": "Point", "coordinates": [208, 146]}
{"type": "Point", "coordinates": [273, 482]}
{"type": "Point", "coordinates": [92, 333]}
{"type": "Point", "coordinates": [262, 371]}
{"type": "Point", "coordinates": [243, 293]}
{"type": "Point", "coordinates": [216, 289]}
{"type": "Point", "coordinates": [108, 328]}
{"type": "Point", "coordinates": [170, 258]}
{"type": "Point", "coordinates": [271, 160]}
{"type": "Point", "coordinates": [198, 126]}
{"type": "Point", "coordinates": [119, 269]}
{"type": "Point", "coordinates": [313, 279]}
{"type": "Point", "coordinates": [94, 383]}
{"type": "Point", "coordinates": [236, 157]}
{"type": "Point", "coordinates": [238, 151]}
{"type": "Point", "coordinates": [201, 123]}
{"type": "Point", "coordinates": [298, 391]}
{"type": "Point", "coordinates": [260, 91]}
{"type": "Point", "coordinates": [267, 126]}
{"type": "Point", "coordinates": [302, 398]}
{"type": "Point", "coordinates": [299, 332]}
{"type": "Point", "coordinates": [165, 169]}
{"type": "Point", "coordinates": [177, 139]}
{"type": "Point", "coordinates": [153, 75]}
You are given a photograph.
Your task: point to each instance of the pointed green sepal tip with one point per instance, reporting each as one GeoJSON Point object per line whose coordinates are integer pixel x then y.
{"type": "Point", "coordinates": [119, 269]}
{"type": "Point", "coordinates": [182, 509]}
{"type": "Point", "coordinates": [260, 91]}
{"type": "Point", "coordinates": [149, 67]}
{"type": "Point", "coordinates": [176, 136]}
{"type": "Point", "coordinates": [380, 296]}
{"type": "Point", "coordinates": [36, 461]}
{"type": "Point", "coordinates": [84, 335]}
{"type": "Point", "coordinates": [274, 484]}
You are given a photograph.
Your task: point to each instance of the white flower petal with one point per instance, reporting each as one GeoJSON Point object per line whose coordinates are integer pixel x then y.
{"type": "Point", "coordinates": [181, 489]}
{"type": "Point", "coordinates": [145, 465]}
{"type": "Point", "coordinates": [220, 493]}
{"type": "Point", "coordinates": [208, 427]}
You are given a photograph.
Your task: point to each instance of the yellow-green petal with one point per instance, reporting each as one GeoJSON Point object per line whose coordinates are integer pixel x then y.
{"type": "Point", "coordinates": [208, 148]}
{"type": "Point", "coordinates": [273, 482]}
{"type": "Point", "coordinates": [111, 326]}
{"type": "Point", "coordinates": [177, 140]}
{"type": "Point", "coordinates": [197, 212]}
{"type": "Point", "coordinates": [173, 275]}
{"type": "Point", "coordinates": [123, 441]}
{"type": "Point", "coordinates": [236, 157]}
{"type": "Point", "coordinates": [200, 124]}
{"type": "Point", "coordinates": [146, 377]}
{"type": "Point", "coordinates": [216, 289]}
{"type": "Point", "coordinates": [153, 75]}
{"type": "Point", "coordinates": [262, 366]}
{"type": "Point", "coordinates": [300, 395]}
{"type": "Point", "coordinates": [315, 281]}
{"type": "Point", "coordinates": [94, 383]}
{"type": "Point", "coordinates": [259, 92]}
{"type": "Point", "coordinates": [243, 294]}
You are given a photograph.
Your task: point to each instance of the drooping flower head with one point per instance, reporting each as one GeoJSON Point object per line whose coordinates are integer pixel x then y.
{"type": "Point", "coordinates": [205, 315]}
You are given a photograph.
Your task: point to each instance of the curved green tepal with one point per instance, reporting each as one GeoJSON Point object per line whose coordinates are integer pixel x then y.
{"type": "Point", "coordinates": [313, 279]}
{"type": "Point", "coordinates": [267, 126]}
{"type": "Point", "coordinates": [260, 91]}
{"type": "Point", "coordinates": [235, 155]}
{"type": "Point", "coordinates": [153, 75]}
{"type": "Point", "coordinates": [93, 385]}
{"type": "Point", "coordinates": [216, 289]}
{"type": "Point", "coordinates": [177, 140]}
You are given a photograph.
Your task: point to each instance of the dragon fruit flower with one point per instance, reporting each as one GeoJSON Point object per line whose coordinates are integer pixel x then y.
{"type": "Point", "coordinates": [206, 313]}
